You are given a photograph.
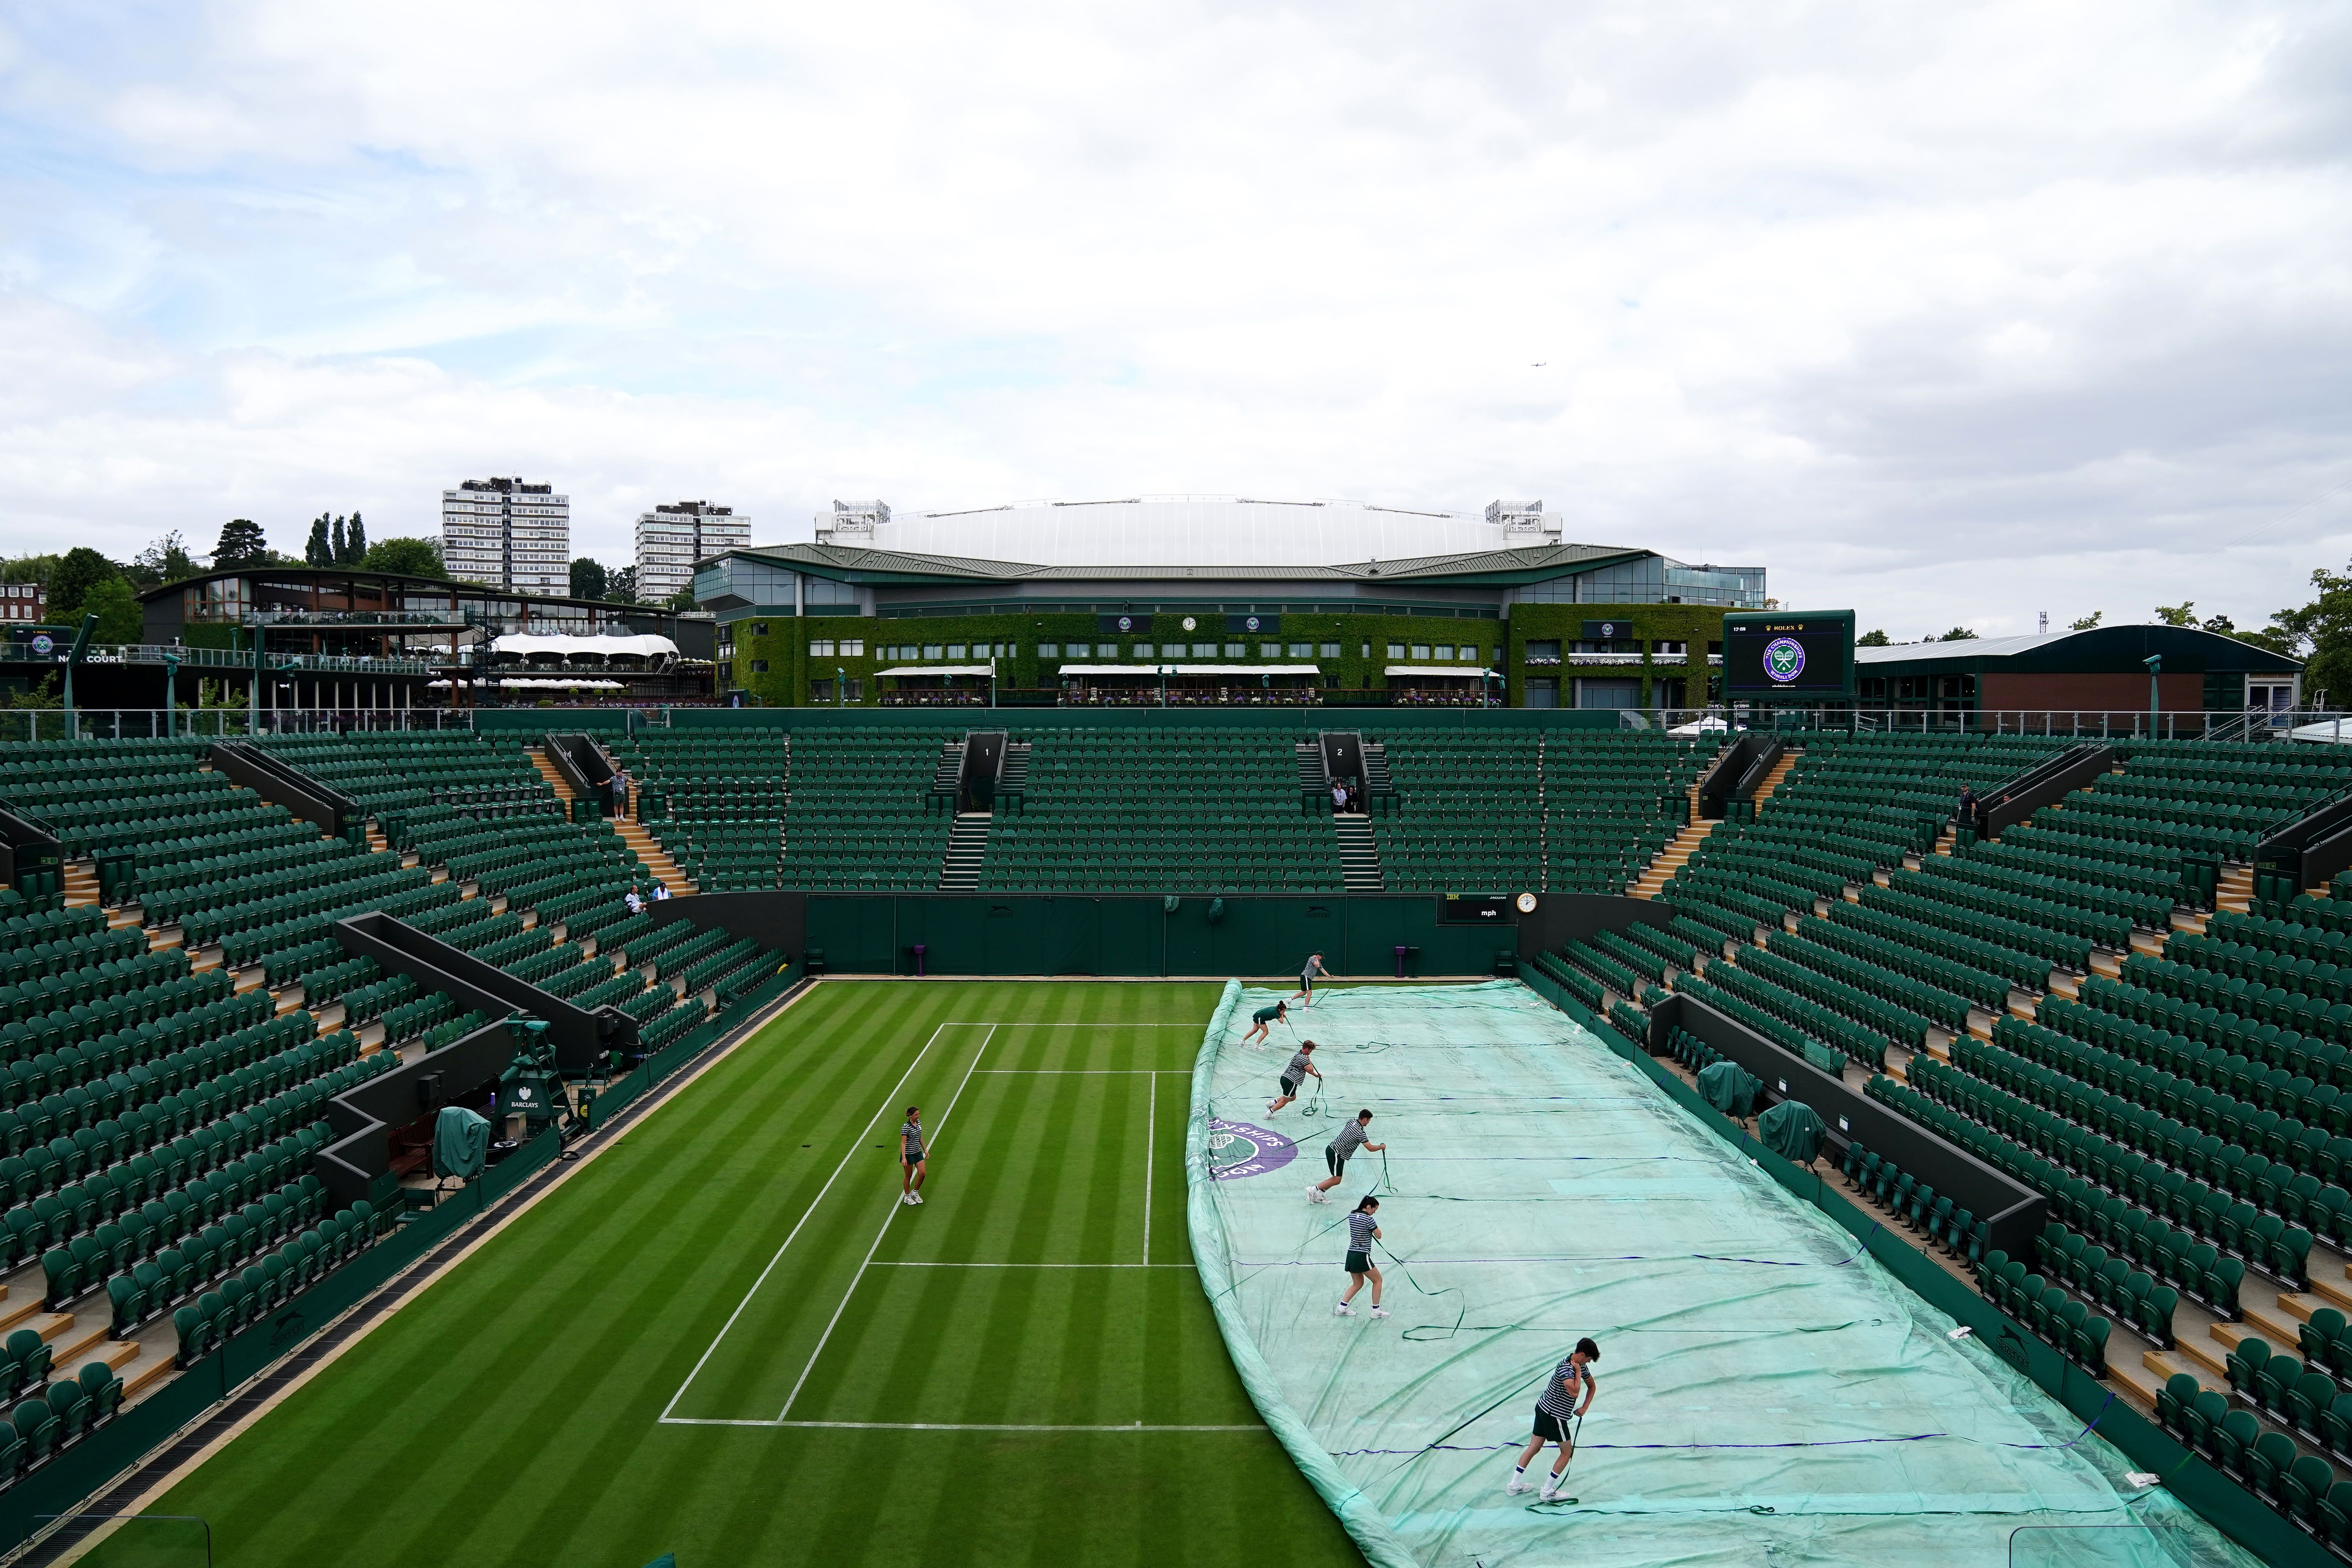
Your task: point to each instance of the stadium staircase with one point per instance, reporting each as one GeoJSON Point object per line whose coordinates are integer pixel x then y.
{"type": "Point", "coordinates": [1781, 770]}
{"type": "Point", "coordinates": [555, 777]}
{"type": "Point", "coordinates": [1359, 857]}
{"type": "Point", "coordinates": [980, 762]}
{"type": "Point", "coordinates": [631, 830]}
{"type": "Point", "coordinates": [1671, 859]}
{"type": "Point", "coordinates": [967, 848]}
{"type": "Point", "coordinates": [650, 854]}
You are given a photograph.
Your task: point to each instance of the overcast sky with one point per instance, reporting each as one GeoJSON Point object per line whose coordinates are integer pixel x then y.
{"type": "Point", "coordinates": [1946, 313]}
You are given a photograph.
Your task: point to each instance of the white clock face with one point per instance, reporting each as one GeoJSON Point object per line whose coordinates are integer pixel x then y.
{"type": "Point", "coordinates": [1191, 625]}
{"type": "Point", "coordinates": [1526, 904]}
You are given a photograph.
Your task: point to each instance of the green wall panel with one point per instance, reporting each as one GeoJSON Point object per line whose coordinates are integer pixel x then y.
{"type": "Point", "coordinates": [1046, 935]}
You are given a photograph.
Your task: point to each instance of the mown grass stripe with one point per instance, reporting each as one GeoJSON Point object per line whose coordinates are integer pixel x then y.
{"type": "Point", "coordinates": [507, 1414]}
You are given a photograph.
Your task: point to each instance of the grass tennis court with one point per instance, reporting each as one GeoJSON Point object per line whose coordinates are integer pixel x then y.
{"type": "Point", "coordinates": [725, 1338]}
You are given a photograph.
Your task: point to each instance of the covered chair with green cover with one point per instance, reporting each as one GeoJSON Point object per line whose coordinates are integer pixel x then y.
{"type": "Point", "coordinates": [461, 1142]}
{"type": "Point", "coordinates": [1730, 1089]}
{"type": "Point", "coordinates": [1792, 1131]}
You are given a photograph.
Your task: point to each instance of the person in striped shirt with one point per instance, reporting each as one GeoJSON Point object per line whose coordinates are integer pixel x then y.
{"type": "Point", "coordinates": [1555, 1408]}
{"type": "Point", "coordinates": [1293, 1076]}
{"type": "Point", "coordinates": [1351, 1138]}
{"type": "Point", "coordinates": [1363, 1230]}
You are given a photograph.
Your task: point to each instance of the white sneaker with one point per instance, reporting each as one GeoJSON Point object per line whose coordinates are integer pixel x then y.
{"type": "Point", "coordinates": [1343, 1311]}
{"type": "Point", "coordinates": [1269, 1108]}
{"type": "Point", "coordinates": [1379, 1312]}
{"type": "Point", "coordinates": [1314, 1194]}
{"type": "Point", "coordinates": [1515, 1485]}
{"type": "Point", "coordinates": [908, 1198]}
{"type": "Point", "coordinates": [914, 1197]}
{"type": "Point", "coordinates": [1549, 1493]}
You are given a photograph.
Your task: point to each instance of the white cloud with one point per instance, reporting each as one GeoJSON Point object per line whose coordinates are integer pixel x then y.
{"type": "Point", "coordinates": [1953, 315]}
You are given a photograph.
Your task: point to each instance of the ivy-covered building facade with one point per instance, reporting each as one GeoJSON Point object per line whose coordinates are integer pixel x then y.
{"type": "Point", "coordinates": [1541, 624]}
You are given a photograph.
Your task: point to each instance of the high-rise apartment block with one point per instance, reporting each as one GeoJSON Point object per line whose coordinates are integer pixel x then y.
{"type": "Point", "coordinates": [508, 535]}
{"type": "Point", "coordinates": [671, 539]}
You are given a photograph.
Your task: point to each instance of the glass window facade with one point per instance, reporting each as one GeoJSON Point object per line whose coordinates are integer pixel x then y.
{"type": "Point", "coordinates": [1650, 580]}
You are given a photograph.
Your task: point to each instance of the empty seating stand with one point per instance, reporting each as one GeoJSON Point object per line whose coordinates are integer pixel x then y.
{"type": "Point", "coordinates": [1190, 808]}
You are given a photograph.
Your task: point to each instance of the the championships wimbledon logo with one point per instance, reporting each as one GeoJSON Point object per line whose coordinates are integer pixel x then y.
{"type": "Point", "coordinates": [1126, 623]}
{"type": "Point", "coordinates": [1236, 1150]}
{"type": "Point", "coordinates": [1784, 659]}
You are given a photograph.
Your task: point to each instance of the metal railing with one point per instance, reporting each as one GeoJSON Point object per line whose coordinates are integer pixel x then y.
{"type": "Point", "coordinates": [216, 723]}
{"type": "Point", "coordinates": [2258, 725]}
{"type": "Point", "coordinates": [235, 660]}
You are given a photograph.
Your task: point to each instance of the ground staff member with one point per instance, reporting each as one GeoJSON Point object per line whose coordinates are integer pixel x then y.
{"type": "Point", "coordinates": [1293, 1076]}
{"type": "Point", "coordinates": [911, 1158]}
{"type": "Point", "coordinates": [1554, 1411]}
{"type": "Point", "coordinates": [1306, 977]}
{"type": "Point", "coordinates": [1262, 1021]}
{"type": "Point", "coordinates": [1362, 1231]}
{"type": "Point", "coordinates": [1335, 1154]}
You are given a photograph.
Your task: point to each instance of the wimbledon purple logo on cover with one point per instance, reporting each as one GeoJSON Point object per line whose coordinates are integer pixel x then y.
{"type": "Point", "coordinates": [1236, 1150]}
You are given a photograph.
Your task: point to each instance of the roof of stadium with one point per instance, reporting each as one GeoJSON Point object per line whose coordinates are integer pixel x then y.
{"type": "Point", "coordinates": [1189, 531]}
{"type": "Point", "coordinates": [1483, 566]}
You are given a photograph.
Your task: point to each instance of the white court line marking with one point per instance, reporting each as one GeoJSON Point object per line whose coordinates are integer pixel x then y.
{"type": "Point", "coordinates": [1150, 1131]}
{"type": "Point", "coordinates": [844, 1306]}
{"type": "Point", "coordinates": [1087, 1072]}
{"type": "Point", "coordinates": [956, 1425]}
{"type": "Point", "coordinates": [857, 1144]}
{"type": "Point", "coordinates": [908, 1263]}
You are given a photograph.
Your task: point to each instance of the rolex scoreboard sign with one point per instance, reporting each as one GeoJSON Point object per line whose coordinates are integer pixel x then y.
{"type": "Point", "coordinates": [1772, 656]}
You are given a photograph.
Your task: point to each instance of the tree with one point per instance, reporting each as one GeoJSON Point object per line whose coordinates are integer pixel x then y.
{"type": "Point", "coordinates": [337, 554]}
{"type": "Point", "coordinates": [681, 600]}
{"type": "Point", "coordinates": [120, 618]}
{"type": "Point", "coordinates": [166, 561]}
{"type": "Point", "coordinates": [40, 568]}
{"type": "Point", "coordinates": [408, 557]}
{"type": "Point", "coordinates": [355, 543]}
{"type": "Point", "coordinates": [587, 578]}
{"type": "Point", "coordinates": [621, 585]}
{"type": "Point", "coordinates": [2221, 624]}
{"type": "Point", "coordinates": [2088, 622]}
{"type": "Point", "coordinates": [1875, 638]}
{"type": "Point", "coordinates": [2319, 633]}
{"type": "Point", "coordinates": [319, 550]}
{"type": "Point", "coordinates": [2177, 615]}
{"type": "Point", "coordinates": [1958, 634]}
{"type": "Point", "coordinates": [45, 695]}
{"type": "Point", "coordinates": [242, 543]}
{"type": "Point", "coordinates": [80, 570]}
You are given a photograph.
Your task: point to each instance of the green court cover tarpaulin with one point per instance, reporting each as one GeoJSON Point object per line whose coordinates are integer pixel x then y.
{"type": "Point", "coordinates": [1767, 1393]}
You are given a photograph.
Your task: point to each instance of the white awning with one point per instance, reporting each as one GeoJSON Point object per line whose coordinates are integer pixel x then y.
{"type": "Point", "coordinates": [524, 644]}
{"type": "Point", "coordinates": [1249, 669]}
{"type": "Point", "coordinates": [929, 668]}
{"type": "Point", "coordinates": [1191, 669]}
{"type": "Point", "coordinates": [549, 683]}
{"type": "Point", "coordinates": [1396, 669]}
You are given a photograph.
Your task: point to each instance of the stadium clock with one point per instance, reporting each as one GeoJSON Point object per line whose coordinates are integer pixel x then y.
{"type": "Point", "coordinates": [1526, 904]}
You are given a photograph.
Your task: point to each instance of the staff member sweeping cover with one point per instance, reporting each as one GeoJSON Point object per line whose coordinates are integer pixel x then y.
{"type": "Point", "coordinates": [1293, 1076]}
{"type": "Point", "coordinates": [1335, 1155]}
{"type": "Point", "coordinates": [1363, 1229]}
{"type": "Point", "coordinates": [1554, 1410]}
